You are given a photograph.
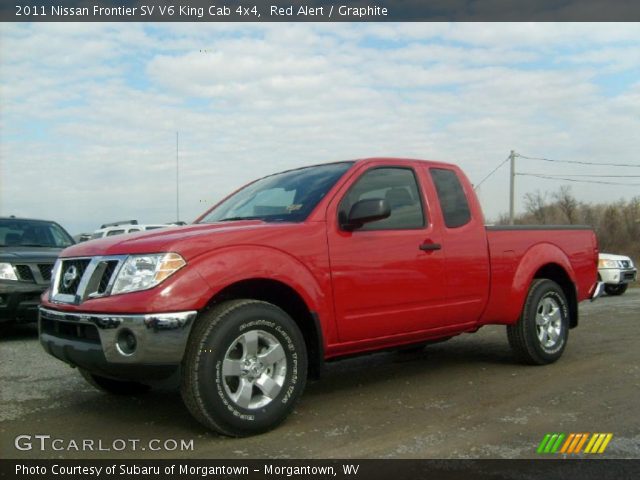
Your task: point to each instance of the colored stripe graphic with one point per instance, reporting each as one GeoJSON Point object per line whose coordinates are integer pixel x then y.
{"type": "Point", "coordinates": [572, 443]}
{"type": "Point", "coordinates": [582, 441]}
{"type": "Point", "coordinates": [567, 443]}
{"type": "Point", "coordinates": [606, 442]}
{"type": "Point", "coordinates": [551, 443]}
{"type": "Point", "coordinates": [576, 440]}
{"type": "Point", "coordinates": [596, 446]}
{"type": "Point", "coordinates": [593, 439]}
{"type": "Point", "coordinates": [543, 443]}
{"type": "Point", "coordinates": [555, 447]}
{"type": "Point", "coordinates": [598, 442]}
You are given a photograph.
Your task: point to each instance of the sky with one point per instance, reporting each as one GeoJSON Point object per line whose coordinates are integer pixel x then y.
{"type": "Point", "coordinates": [89, 111]}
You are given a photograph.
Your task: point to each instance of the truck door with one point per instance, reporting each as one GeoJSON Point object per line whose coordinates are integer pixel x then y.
{"type": "Point", "coordinates": [464, 245]}
{"type": "Point", "coordinates": [387, 275]}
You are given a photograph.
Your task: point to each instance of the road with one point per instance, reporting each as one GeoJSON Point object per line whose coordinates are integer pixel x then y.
{"type": "Point", "coordinates": [465, 398]}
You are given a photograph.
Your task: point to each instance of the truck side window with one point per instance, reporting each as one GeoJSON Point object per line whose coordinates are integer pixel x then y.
{"type": "Point", "coordinates": [398, 186]}
{"type": "Point", "coordinates": [453, 201]}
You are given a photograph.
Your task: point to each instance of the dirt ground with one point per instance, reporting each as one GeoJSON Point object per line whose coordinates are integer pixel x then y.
{"type": "Point", "coordinates": [465, 398]}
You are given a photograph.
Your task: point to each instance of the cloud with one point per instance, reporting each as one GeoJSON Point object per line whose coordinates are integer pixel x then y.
{"type": "Point", "coordinates": [89, 112]}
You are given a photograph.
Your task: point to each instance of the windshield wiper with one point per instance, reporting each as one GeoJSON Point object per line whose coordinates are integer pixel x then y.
{"type": "Point", "coordinates": [33, 245]}
{"type": "Point", "coordinates": [231, 219]}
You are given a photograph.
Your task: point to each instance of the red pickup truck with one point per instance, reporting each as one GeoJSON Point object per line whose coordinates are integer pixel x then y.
{"type": "Point", "coordinates": [306, 266]}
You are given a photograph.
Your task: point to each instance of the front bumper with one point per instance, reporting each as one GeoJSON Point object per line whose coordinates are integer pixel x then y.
{"type": "Point", "coordinates": [598, 290]}
{"type": "Point", "coordinates": [618, 276]}
{"type": "Point", "coordinates": [19, 301]}
{"type": "Point", "coordinates": [95, 341]}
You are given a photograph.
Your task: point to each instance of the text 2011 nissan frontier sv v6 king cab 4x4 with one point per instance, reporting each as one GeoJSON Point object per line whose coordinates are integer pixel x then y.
{"type": "Point", "coordinates": [306, 266]}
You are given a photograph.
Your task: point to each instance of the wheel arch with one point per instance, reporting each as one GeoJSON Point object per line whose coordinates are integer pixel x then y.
{"type": "Point", "coordinates": [272, 275]}
{"type": "Point", "coordinates": [288, 299]}
{"type": "Point", "coordinates": [543, 260]}
{"type": "Point", "coordinates": [554, 272]}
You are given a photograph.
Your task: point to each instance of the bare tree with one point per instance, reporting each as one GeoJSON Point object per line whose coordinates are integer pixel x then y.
{"type": "Point", "coordinates": [632, 220]}
{"type": "Point", "coordinates": [536, 205]}
{"type": "Point", "coordinates": [567, 204]}
{"type": "Point", "coordinates": [588, 214]}
{"type": "Point", "coordinates": [617, 224]}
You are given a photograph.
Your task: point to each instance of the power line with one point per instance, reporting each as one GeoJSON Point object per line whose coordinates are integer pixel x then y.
{"type": "Point", "coordinates": [549, 177]}
{"type": "Point", "coordinates": [579, 175]}
{"type": "Point", "coordinates": [475, 187]}
{"type": "Point", "coordinates": [577, 162]}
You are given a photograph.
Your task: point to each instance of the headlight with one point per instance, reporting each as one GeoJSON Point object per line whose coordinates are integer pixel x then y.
{"type": "Point", "coordinates": [7, 272]}
{"type": "Point", "coordinates": [607, 264]}
{"type": "Point", "coordinates": [141, 272]}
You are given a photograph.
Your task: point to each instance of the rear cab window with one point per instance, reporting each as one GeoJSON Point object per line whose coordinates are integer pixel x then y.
{"type": "Point", "coordinates": [454, 204]}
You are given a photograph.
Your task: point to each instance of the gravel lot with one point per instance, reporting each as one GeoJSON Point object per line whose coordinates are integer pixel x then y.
{"type": "Point", "coordinates": [465, 398]}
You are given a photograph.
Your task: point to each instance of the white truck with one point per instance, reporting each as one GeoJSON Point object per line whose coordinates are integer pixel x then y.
{"type": "Point", "coordinates": [126, 226]}
{"type": "Point", "coordinates": [616, 271]}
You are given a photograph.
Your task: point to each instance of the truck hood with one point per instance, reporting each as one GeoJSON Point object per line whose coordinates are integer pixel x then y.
{"type": "Point", "coordinates": [29, 254]}
{"type": "Point", "coordinates": [610, 256]}
{"type": "Point", "coordinates": [188, 241]}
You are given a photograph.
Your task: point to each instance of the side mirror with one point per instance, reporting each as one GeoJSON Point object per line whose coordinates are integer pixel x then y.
{"type": "Point", "coordinates": [365, 211]}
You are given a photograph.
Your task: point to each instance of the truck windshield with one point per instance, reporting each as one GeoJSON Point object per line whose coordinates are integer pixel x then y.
{"type": "Point", "coordinates": [284, 197]}
{"type": "Point", "coordinates": [32, 233]}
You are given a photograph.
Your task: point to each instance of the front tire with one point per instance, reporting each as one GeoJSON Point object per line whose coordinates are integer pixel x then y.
{"type": "Point", "coordinates": [244, 368]}
{"type": "Point", "coordinates": [616, 290]}
{"type": "Point", "coordinates": [541, 333]}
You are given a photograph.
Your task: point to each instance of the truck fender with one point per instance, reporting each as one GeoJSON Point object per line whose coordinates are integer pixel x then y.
{"type": "Point", "coordinates": [533, 261]}
{"type": "Point", "coordinates": [227, 266]}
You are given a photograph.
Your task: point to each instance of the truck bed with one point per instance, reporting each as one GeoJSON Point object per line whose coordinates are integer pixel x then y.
{"type": "Point", "coordinates": [513, 250]}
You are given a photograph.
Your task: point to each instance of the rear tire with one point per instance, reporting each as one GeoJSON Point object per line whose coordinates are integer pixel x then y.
{"type": "Point", "coordinates": [244, 368]}
{"type": "Point", "coordinates": [541, 333]}
{"type": "Point", "coordinates": [115, 387]}
{"type": "Point", "coordinates": [616, 290]}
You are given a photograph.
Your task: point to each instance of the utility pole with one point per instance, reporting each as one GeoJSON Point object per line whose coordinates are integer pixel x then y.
{"type": "Point", "coordinates": [512, 177]}
{"type": "Point", "coordinates": [177, 183]}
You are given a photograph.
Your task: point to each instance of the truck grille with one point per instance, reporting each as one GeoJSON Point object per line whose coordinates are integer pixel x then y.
{"type": "Point", "coordinates": [24, 273]}
{"type": "Point", "coordinates": [70, 330]}
{"type": "Point", "coordinates": [45, 271]}
{"type": "Point", "coordinates": [105, 278]}
{"type": "Point", "coordinates": [78, 279]}
{"type": "Point", "coordinates": [68, 283]}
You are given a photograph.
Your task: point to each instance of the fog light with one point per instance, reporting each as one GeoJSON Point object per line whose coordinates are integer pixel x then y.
{"type": "Point", "coordinates": [126, 342]}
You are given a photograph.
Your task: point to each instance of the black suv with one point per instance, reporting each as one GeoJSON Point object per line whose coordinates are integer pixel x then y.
{"type": "Point", "coordinates": [28, 250]}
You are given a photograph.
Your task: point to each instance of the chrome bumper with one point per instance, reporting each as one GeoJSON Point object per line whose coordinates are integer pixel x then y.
{"type": "Point", "coordinates": [160, 338]}
{"type": "Point", "coordinates": [597, 291]}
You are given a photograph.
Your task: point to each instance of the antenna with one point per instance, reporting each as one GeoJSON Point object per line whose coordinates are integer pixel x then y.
{"type": "Point", "coordinates": [177, 181]}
